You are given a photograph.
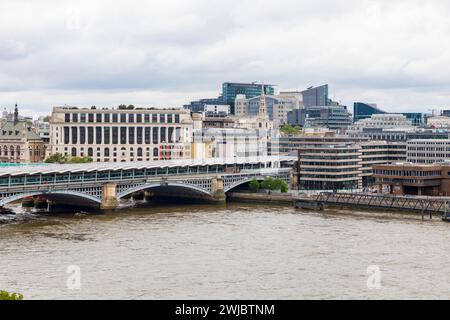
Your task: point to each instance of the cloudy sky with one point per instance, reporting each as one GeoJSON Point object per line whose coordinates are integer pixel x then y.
{"type": "Point", "coordinates": [165, 53]}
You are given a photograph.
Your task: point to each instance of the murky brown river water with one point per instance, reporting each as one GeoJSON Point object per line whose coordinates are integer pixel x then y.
{"type": "Point", "coordinates": [233, 251]}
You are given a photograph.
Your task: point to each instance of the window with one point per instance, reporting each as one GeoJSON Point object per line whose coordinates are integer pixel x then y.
{"type": "Point", "coordinates": [146, 118]}
{"type": "Point", "coordinates": [115, 135]}
{"type": "Point", "coordinates": [147, 135]}
{"type": "Point", "coordinates": [90, 152]}
{"type": "Point", "coordinates": [177, 118]}
{"type": "Point", "coordinates": [123, 135]}
{"type": "Point", "coordinates": [155, 152]}
{"type": "Point", "coordinates": [74, 152]}
{"type": "Point", "coordinates": [98, 134]}
{"type": "Point", "coordinates": [139, 118]}
{"type": "Point", "coordinates": [169, 118]}
{"type": "Point", "coordinates": [83, 117]}
{"type": "Point", "coordinates": [90, 135]}
{"type": "Point", "coordinates": [163, 134]}
{"type": "Point", "coordinates": [139, 152]}
{"type": "Point", "coordinates": [75, 117]}
{"type": "Point", "coordinates": [162, 118]}
{"type": "Point", "coordinates": [155, 135]}
{"type": "Point", "coordinates": [154, 118]}
{"type": "Point", "coordinates": [123, 117]}
{"type": "Point", "coordinates": [74, 135]}
{"type": "Point", "coordinates": [115, 117]}
{"type": "Point", "coordinates": [106, 133]}
{"type": "Point", "coordinates": [67, 117]}
{"type": "Point", "coordinates": [98, 117]}
{"type": "Point", "coordinates": [82, 135]}
{"type": "Point", "coordinates": [106, 153]}
{"type": "Point", "coordinates": [170, 134]}
{"type": "Point", "coordinates": [91, 117]}
{"type": "Point", "coordinates": [66, 135]}
{"type": "Point", "coordinates": [107, 117]}
{"type": "Point", "coordinates": [131, 135]}
{"type": "Point", "coordinates": [139, 135]}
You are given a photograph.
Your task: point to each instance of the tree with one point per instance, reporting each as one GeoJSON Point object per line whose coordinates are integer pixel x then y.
{"type": "Point", "coordinates": [122, 107]}
{"type": "Point", "coordinates": [57, 158]}
{"type": "Point", "coordinates": [267, 183]}
{"type": "Point", "coordinates": [284, 187]}
{"type": "Point", "coordinates": [62, 158]}
{"type": "Point", "coordinates": [10, 296]}
{"type": "Point", "coordinates": [130, 107]}
{"type": "Point", "coordinates": [254, 185]}
{"type": "Point", "coordinates": [46, 119]}
{"type": "Point", "coordinates": [290, 130]}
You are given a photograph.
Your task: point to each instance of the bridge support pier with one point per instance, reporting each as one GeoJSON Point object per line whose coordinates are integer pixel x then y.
{"type": "Point", "coordinates": [109, 201]}
{"type": "Point", "coordinates": [218, 190]}
{"type": "Point", "coordinates": [293, 178]}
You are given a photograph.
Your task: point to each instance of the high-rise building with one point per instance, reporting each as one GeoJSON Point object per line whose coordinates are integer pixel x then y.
{"type": "Point", "coordinates": [316, 96]}
{"type": "Point", "coordinates": [230, 90]}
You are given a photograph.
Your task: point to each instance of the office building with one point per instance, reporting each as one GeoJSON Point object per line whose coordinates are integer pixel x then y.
{"type": "Point", "coordinates": [316, 96]}
{"type": "Point", "coordinates": [278, 106]}
{"type": "Point", "coordinates": [428, 151]}
{"type": "Point", "coordinates": [231, 90]}
{"type": "Point", "coordinates": [114, 135]}
{"type": "Point", "coordinates": [414, 179]}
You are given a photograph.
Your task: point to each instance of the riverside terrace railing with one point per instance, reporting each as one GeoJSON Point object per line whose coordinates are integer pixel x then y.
{"type": "Point", "coordinates": [412, 203]}
{"type": "Point", "coordinates": [87, 180]}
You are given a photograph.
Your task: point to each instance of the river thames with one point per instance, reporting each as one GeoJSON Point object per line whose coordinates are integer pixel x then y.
{"type": "Point", "coordinates": [229, 251]}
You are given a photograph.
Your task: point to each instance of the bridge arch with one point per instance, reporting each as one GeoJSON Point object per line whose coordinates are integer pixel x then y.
{"type": "Point", "coordinates": [68, 196]}
{"type": "Point", "coordinates": [143, 187]}
{"type": "Point", "coordinates": [241, 182]}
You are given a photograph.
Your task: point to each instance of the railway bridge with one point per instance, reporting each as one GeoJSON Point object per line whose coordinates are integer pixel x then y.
{"type": "Point", "coordinates": [102, 185]}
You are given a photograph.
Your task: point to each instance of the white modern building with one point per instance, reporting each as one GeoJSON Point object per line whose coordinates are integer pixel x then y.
{"type": "Point", "coordinates": [382, 121]}
{"type": "Point", "coordinates": [428, 151]}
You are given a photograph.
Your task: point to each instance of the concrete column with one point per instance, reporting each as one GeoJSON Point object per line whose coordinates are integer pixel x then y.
{"type": "Point", "coordinates": [293, 180]}
{"type": "Point", "coordinates": [218, 189]}
{"type": "Point", "coordinates": [109, 200]}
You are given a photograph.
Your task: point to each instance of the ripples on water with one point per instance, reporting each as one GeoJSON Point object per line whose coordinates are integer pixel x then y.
{"type": "Point", "coordinates": [233, 251]}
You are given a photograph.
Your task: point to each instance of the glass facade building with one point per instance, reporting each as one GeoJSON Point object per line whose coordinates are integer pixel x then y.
{"type": "Point", "coordinates": [316, 96]}
{"type": "Point", "coordinates": [365, 110]}
{"type": "Point", "coordinates": [231, 90]}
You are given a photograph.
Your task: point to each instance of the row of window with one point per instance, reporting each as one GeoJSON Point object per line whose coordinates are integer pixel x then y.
{"type": "Point", "coordinates": [122, 135]}
{"type": "Point", "coordinates": [121, 117]}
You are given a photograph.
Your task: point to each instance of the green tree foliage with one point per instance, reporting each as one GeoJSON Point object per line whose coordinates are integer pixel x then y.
{"type": "Point", "coordinates": [290, 130]}
{"type": "Point", "coordinates": [57, 158]}
{"type": "Point", "coordinates": [254, 185]}
{"type": "Point", "coordinates": [284, 187]}
{"type": "Point", "coordinates": [267, 183]}
{"type": "Point", "coordinates": [61, 158]}
{"type": "Point", "coordinates": [122, 107]}
{"type": "Point", "coordinates": [274, 185]}
{"type": "Point", "coordinates": [47, 119]}
{"type": "Point", "coordinates": [10, 296]}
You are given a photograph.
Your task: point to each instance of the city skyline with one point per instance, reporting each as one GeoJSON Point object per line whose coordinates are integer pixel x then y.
{"type": "Point", "coordinates": [165, 54]}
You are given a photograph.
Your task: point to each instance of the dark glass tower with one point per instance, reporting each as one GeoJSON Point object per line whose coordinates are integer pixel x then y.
{"type": "Point", "coordinates": [364, 110]}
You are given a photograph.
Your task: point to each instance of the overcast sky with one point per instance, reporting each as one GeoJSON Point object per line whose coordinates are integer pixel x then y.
{"type": "Point", "coordinates": [165, 53]}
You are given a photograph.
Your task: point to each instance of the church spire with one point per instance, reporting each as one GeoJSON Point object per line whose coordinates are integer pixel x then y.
{"type": "Point", "coordinates": [262, 102]}
{"type": "Point", "coordinates": [16, 114]}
